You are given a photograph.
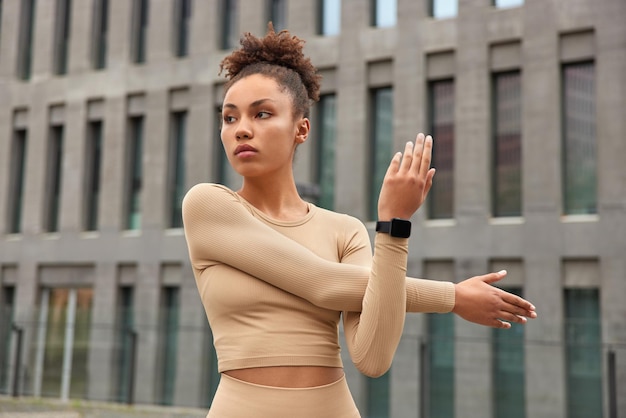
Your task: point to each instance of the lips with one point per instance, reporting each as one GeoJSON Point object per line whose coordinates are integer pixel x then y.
{"type": "Point", "coordinates": [244, 148]}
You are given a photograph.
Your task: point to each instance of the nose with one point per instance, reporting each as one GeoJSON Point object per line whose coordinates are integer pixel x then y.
{"type": "Point", "coordinates": [243, 130]}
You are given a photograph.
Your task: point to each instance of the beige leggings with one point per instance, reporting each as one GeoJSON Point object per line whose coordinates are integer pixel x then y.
{"type": "Point", "coordinates": [238, 399]}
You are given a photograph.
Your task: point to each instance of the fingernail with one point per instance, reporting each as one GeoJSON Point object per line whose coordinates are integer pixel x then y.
{"type": "Point", "coordinates": [501, 272]}
{"type": "Point", "coordinates": [532, 307]}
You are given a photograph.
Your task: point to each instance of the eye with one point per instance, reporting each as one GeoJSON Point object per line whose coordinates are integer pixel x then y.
{"type": "Point", "coordinates": [228, 119]}
{"type": "Point", "coordinates": [263, 115]}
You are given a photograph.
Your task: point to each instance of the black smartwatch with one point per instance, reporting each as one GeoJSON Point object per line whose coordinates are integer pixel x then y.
{"type": "Point", "coordinates": [399, 228]}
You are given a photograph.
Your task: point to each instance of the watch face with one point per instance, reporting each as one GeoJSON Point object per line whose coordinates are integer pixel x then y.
{"type": "Point", "coordinates": [400, 228]}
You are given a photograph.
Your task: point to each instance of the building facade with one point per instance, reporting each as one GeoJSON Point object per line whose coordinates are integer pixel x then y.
{"type": "Point", "coordinates": [110, 112]}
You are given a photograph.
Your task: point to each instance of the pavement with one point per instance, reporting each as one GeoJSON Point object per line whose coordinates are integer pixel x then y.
{"type": "Point", "coordinates": [28, 407]}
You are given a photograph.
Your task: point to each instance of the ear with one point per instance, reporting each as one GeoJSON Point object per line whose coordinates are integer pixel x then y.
{"type": "Point", "coordinates": [303, 126]}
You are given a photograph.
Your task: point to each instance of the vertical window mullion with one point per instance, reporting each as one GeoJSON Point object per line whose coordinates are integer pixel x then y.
{"type": "Point", "coordinates": [230, 30]}
{"type": "Point", "coordinates": [92, 178]}
{"type": "Point", "coordinates": [62, 34]}
{"type": "Point", "coordinates": [101, 23]}
{"type": "Point", "coordinates": [169, 338]}
{"type": "Point", "coordinates": [139, 28]}
{"type": "Point", "coordinates": [325, 156]}
{"type": "Point", "coordinates": [182, 15]}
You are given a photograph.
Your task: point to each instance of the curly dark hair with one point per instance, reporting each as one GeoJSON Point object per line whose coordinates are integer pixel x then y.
{"type": "Point", "coordinates": [278, 56]}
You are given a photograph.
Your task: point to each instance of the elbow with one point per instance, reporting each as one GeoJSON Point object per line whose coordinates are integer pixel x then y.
{"type": "Point", "coordinates": [375, 369]}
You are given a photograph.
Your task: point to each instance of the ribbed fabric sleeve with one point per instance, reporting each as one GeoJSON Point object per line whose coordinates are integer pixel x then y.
{"type": "Point", "coordinates": [212, 214]}
{"type": "Point", "coordinates": [220, 230]}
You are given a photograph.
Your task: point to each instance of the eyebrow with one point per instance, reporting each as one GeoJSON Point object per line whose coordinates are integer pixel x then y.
{"type": "Point", "coordinates": [255, 103]}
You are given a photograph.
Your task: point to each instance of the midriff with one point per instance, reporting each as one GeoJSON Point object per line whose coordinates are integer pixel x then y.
{"type": "Point", "coordinates": [288, 376]}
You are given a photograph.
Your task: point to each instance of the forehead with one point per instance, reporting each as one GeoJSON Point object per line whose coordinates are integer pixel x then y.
{"type": "Point", "coordinates": [255, 87]}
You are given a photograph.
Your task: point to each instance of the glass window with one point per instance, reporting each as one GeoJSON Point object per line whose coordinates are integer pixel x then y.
{"type": "Point", "coordinates": [579, 139]}
{"type": "Point", "coordinates": [384, 13]}
{"type": "Point", "coordinates": [325, 152]}
{"type": "Point", "coordinates": [329, 17]}
{"type": "Point", "coordinates": [508, 369]}
{"type": "Point", "coordinates": [16, 181]}
{"type": "Point", "coordinates": [177, 168]}
{"type": "Point", "coordinates": [583, 353]}
{"type": "Point", "coordinates": [25, 39]}
{"type": "Point", "coordinates": [503, 4]}
{"type": "Point", "coordinates": [443, 9]}
{"type": "Point", "coordinates": [378, 396]}
{"type": "Point", "coordinates": [7, 312]}
{"type": "Point", "coordinates": [134, 176]}
{"type": "Point", "coordinates": [101, 27]}
{"type": "Point", "coordinates": [53, 179]}
{"type": "Point", "coordinates": [125, 341]}
{"type": "Point", "coordinates": [139, 35]}
{"type": "Point", "coordinates": [225, 173]}
{"type": "Point", "coordinates": [181, 31]}
{"type": "Point", "coordinates": [92, 175]}
{"type": "Point", "coordinates": [440, 387]}
{"type": "Point", "coordinates": [62, 35]}
{"type": "Point", "coordinates": [507, 158]}
{"type": "Point", "coordinates": [169, 346]}
{"type": "Point", "coordinates": [277, 14]}
{"type": "Point", "coordinates": [381, 143]}
{"type": "Point", "coordinates": [441, 195]}
{"type": "Point", "coordinates": [229, 37]}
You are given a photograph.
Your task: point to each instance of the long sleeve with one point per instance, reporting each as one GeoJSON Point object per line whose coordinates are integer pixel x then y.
{"type": "Point", "coordinates": [214, 220]}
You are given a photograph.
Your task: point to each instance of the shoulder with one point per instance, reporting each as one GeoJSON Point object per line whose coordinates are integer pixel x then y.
{"type": "Point", "coordinates": [345, 223]}
{"type": "Point", "coordinates": [205, 196]}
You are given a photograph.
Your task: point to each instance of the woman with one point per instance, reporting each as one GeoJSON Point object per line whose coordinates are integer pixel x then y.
{"type": "Point", "coordinates": [276, 273]}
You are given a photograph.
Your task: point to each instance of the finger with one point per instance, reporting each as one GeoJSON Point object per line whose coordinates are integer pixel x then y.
{"type": "Point", "coordinates": [517, 311]}
{"type": "Point", "coordinates": [394, 165]}
{"type": "Point", "coordinates": [429, 181]}
{"type": "Point", "coordinates": [498, 323]}
{"type": "Point", "coordinates": [418, 152]}
{"type": "Point", "coordinates": [494, 277]}
{"type": "Point", "coordinates": [511, 317]}
{"type": "Point", "coordinates": [427, 153]}
{"type": "Point", "coordinates": [407, 157]}
{"type": "Point", "coordinates": [518, 301]}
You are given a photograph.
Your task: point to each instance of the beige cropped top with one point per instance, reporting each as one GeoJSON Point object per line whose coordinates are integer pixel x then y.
{"type": "Point", "coordinates": [274, 291]}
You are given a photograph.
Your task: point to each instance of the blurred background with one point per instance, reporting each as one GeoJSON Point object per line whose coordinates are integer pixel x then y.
{"type": "Point", "coordinates": [109, 114]}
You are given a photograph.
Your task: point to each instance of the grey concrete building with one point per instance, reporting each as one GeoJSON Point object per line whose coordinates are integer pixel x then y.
{"type": "Point", "coordinates": [109, 114]}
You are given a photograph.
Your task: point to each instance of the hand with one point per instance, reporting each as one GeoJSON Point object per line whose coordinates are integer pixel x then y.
{"type": "Point", "coordinates": [477, 301]}
{"type": "Point", "coordinates": [407, 181]}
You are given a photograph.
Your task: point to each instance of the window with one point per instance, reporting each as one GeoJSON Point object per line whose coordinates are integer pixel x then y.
{"type": "Point", "coordinates": [225, 173]}
{"type": "Point", "coordinates": [169, 337]}
{"type": "Point", "coordinates": [325, 150]}
{"type": "Point", "coordinates": [443, 9]}
{"type": "Point", "coordinates": [277, 14]}
{"type": "Point", "coordinates": [134, 176]}
{"type": "Point", "coordinates": [125, 338]}
{"type": "Point", "coordinates": [139, 35]}
{"type": "Point", "coordinates": [381, 143]}
{"type": "Point", "coordinates": [507, 132]}
{"type": "Point", "coordinates": [25, 39]}
{"type": "Point", "coordinates": [17, 166]}
{"type": "Point", "coordinates": [440, 385]}
{"type": "Point", "coordinates": [378, 396]}
{"type": "Point", "coordinates": [182, 13]}
{"type": "Point", "coordinates": [579, 139]}
{"type": "Point", "coordinates": [177, 168]}
{"type": "Point", "coordinates": [503, 4]}
{"type": "Point", "coordinates": [384, 13]}
{"type": "Point", "coordinates": [583, 352]}
{"type": "Point", "coordinates": [441, 195]}
{"type": "Point", "coordinates": [329, 17]}
{"type": "Point", "coordinates": [100, 29]}
{"type": "Point", "coordinates": [7, 313]}
{"type": "Point", "coordinates": [93, 159]}
{"type": "Point", "coordinates": [62, 36]}
{"type": "Point", "coordinates": [229, 37]}
{"type": "Point", "coordinates": [53, 179]}
{"type": "Point", "coordinates": [508, 369]}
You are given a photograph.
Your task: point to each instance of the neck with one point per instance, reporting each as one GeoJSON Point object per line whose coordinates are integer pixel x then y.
{"type": "Point", "coordinates": [277, 199]}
